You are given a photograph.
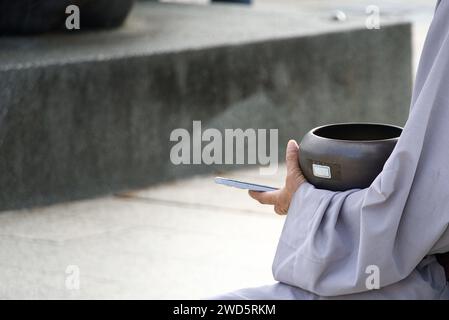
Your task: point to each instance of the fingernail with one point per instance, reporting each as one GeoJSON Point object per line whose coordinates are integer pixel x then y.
{"type": "Point", "coordinates": [292, 143]}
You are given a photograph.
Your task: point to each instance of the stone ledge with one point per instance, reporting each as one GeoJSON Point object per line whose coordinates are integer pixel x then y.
{"type": "Point", "coordinates": [155, 28]}
{"type": "Point", "coordinates": [93, 114]}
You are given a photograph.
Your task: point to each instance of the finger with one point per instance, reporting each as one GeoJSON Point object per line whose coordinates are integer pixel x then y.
{"type": "Point", "coordinates": [268, 197]}
{"type": "Point", "coordinates": [292, 156]}
{"type": "Point", "coordinates": [277, 210]}
{"type": "Point", "coordinates": [284, 210]}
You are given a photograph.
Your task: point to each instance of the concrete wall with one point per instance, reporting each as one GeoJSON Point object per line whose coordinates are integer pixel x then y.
{"type": "Point", "coordinates": [93, 127]}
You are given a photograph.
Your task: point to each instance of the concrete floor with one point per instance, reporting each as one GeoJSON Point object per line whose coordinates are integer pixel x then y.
{"type": "Point", "coordinates": [189, 239]}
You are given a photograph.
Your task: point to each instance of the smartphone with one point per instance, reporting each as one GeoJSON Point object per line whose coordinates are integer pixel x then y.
{"type": "Point", "coordinates": [243, 185]}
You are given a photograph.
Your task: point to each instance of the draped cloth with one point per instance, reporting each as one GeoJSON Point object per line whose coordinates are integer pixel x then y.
{"type": "Point", "coordinates": [331, 240]}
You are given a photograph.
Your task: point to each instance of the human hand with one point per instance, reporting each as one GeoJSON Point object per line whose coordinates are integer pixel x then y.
{"type": "Point", "coordinates": [281, 198]}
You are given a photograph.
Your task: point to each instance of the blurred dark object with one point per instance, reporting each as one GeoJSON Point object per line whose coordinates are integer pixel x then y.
{"type": "Point", "coordinates": [443, 259]}
{"type": "Point", "coordinates": [37, 16]}
{"type": "Point", "coordinates": [234, 1]}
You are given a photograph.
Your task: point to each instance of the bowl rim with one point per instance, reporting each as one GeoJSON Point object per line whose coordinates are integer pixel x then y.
{"type": "Point", "coordinates": [312, 132]}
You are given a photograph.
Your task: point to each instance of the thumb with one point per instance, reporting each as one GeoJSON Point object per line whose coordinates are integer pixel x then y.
{"type": "Point", "coordinates": [267, 197]}
{"type": "Point", "coordinates": [292, 157]}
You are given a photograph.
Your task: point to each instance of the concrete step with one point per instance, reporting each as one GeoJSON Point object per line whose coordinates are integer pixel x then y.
{"type": "Point", "coordinates": [90, 113]}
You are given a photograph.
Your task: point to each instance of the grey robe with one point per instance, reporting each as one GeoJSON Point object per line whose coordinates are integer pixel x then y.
{"type": "Point", "coordinates": [397, 224]}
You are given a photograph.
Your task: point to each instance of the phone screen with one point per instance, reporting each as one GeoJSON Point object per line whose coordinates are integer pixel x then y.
{"type": "Point", "coordinates": [243, 185]}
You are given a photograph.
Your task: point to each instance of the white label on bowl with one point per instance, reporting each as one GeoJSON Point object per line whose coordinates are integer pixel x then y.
{"type": "Point", "coordinates": [321, 171]}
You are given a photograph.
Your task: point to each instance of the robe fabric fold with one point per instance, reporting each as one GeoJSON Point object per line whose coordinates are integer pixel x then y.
{"type": "Point", "coordinates": [332, 241]}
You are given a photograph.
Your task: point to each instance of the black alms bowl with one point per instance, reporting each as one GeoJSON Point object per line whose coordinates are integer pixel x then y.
{"type": "Point", "coordinates": [346, 155]}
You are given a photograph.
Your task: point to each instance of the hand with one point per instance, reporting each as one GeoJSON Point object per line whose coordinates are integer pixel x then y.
{"type": "Point", "coordinates": [281, 198]}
